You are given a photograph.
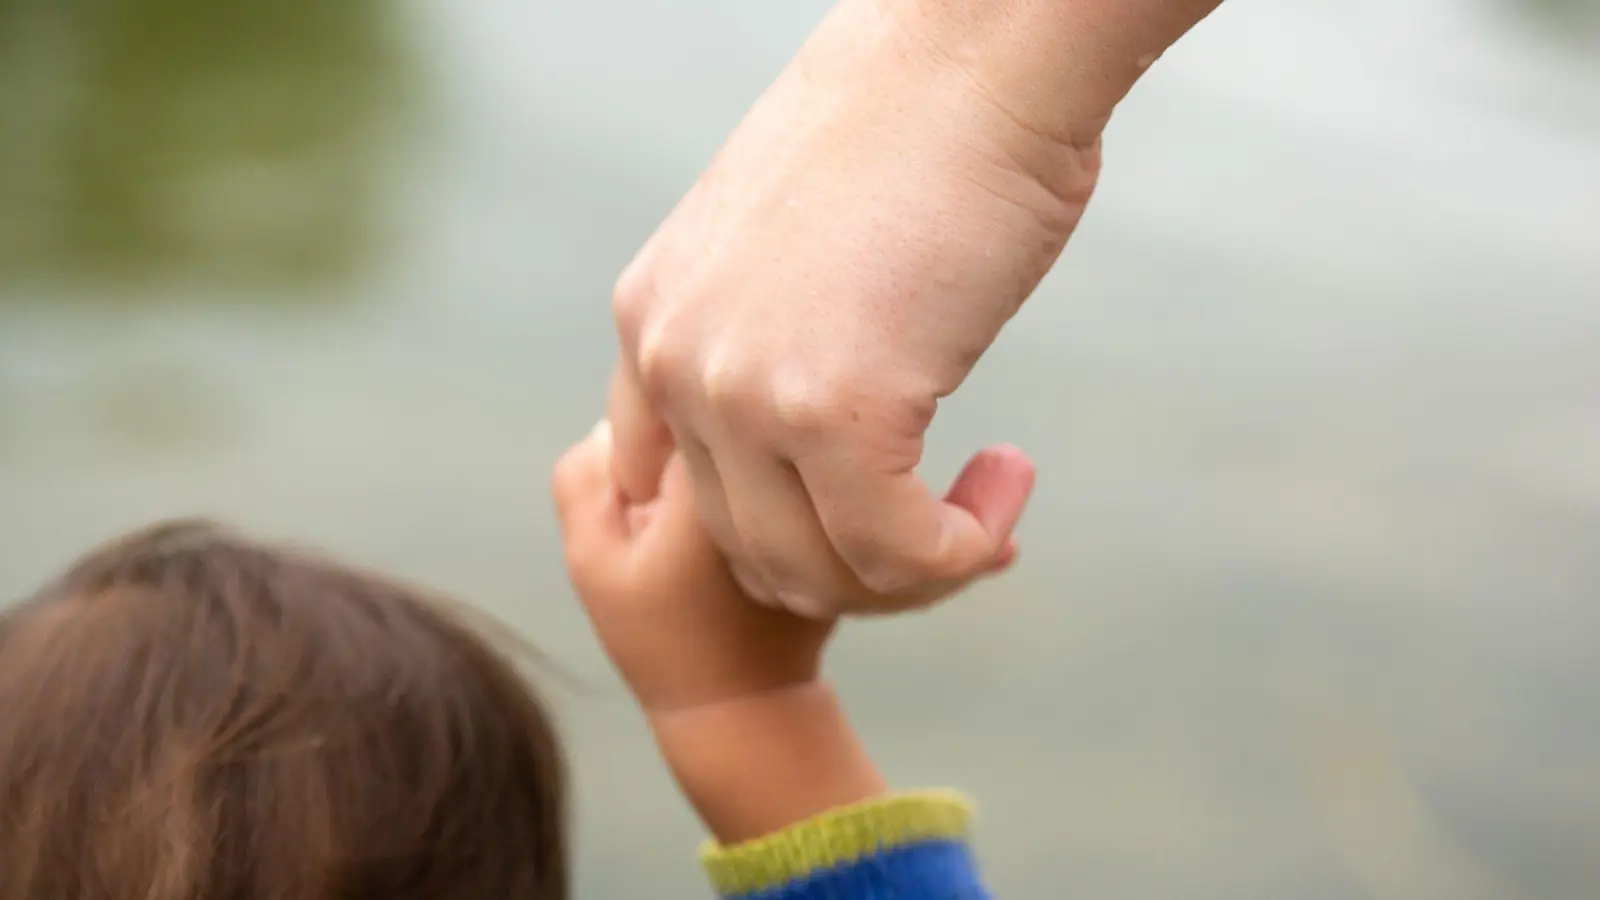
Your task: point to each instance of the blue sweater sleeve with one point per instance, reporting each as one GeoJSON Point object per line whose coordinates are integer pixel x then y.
{"type": "Point", "coordinates": [906, 846]}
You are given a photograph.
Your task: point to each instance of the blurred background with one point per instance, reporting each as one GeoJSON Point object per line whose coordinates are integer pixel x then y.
{"type": "Point", "coordinates": [1308, 601]}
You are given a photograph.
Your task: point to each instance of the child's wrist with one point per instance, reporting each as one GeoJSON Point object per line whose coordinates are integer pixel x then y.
{"type": "Point", "coordinates": [758, 763]}
{"type": "Point", "coordinates": [683, 699]}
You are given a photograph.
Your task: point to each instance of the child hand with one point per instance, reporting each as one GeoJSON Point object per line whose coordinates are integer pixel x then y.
{"type": "Point", "coordinates": [661, 598]}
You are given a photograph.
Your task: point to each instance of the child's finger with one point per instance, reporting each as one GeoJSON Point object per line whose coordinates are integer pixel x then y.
{"type": "Point", "coordinates": [586, 499]}
{"type": "Point", "coordinates": [580, 474]}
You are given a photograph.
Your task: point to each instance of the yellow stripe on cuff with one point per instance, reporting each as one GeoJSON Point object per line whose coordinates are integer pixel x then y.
{"type": "Point", "coordinates": [841, 836]}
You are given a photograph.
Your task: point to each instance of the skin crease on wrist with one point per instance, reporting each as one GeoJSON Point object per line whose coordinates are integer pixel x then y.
{"type": "Point", "coordinates": [758, 764]}
{"type": "Point", "coordinates": [1056, 67]}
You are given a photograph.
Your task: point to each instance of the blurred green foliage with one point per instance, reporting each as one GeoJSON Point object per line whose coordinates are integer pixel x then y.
{"type": "Point", "coordinates": [1563, 13]}
{"type": "Point", "coordinates": [241, 140]}
{"type": "Point", "coordinates": [237, 139]}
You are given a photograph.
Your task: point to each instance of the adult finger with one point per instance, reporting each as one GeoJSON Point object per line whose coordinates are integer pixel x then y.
{"type": "Point", "coordinates": [677, 528]}
{"type": "Point", "coordinates": [710, 502]}
{"type": "Point", "coordinates": [898, 538]}
{"type": "Point", "coordinates": [642, 440]}
{"type": "Point", "coordinates": [781, 538]}
{"type": "Point", "coordinates": [994, 486]}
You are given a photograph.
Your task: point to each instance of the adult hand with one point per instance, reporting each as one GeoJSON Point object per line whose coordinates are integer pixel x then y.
{"type": "Point", "coordinates": [852, 251]}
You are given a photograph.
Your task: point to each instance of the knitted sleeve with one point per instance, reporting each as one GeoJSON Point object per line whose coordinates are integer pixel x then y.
{"type": "Point", "coordinates": [910, 846]}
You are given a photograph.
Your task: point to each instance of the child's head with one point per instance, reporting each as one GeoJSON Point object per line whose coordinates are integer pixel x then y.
{"type": "Point", "coordinates": [186, 715]}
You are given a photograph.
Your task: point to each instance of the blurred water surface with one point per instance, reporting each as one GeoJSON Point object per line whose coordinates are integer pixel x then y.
{"type": "Point", "coordinates": [1307, 606]}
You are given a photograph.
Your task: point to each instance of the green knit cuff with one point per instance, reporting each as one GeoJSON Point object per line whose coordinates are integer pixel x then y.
{"type": "Point", "coordinates": [837, 838]}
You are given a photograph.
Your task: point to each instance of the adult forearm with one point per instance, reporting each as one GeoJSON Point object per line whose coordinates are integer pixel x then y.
{"type": "Point", "coordinates": [1025, 84]}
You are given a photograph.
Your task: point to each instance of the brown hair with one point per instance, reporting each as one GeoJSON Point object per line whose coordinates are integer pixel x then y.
{"type": "Point", "coordinates": [186, 715]}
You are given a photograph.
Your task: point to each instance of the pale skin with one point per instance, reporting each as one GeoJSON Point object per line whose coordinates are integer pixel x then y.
{"type": "Point", "coordinates": [858, 243]}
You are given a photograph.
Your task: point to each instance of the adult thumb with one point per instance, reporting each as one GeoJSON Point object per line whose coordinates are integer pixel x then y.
{"type": "Point", "coordinates": [641, 440]}
{"type": "Point", "coordinates": [994, 487]}
{"type": "Point", "coordinates": [897, 538]}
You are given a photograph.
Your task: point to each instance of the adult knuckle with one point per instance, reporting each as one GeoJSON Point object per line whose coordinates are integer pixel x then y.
{"type": "Point", "coordinates": [848, 405]}
{"type": "Point", "coordinates": [631, 298]}
{"type": "Point", "coordinates": [661, 357]}
{"type": "Point", "coordinates": [732, 382]}
{"type": "Point", "coordinates": [811, 406]}
{"type": "Point", "coordinates": [804, 414]}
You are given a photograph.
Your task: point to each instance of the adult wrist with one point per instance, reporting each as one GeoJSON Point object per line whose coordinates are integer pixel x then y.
{"type": "Point", "coordinates": [965, 85]}
{"type": "Point", "coordinates": [1057, 67]}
